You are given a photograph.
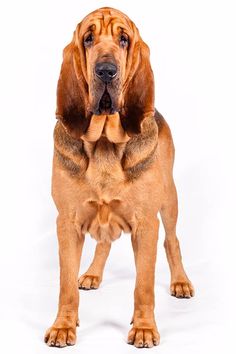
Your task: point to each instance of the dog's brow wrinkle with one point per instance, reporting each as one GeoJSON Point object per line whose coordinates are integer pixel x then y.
{"type": "Point", "coordinates": [106, 22]}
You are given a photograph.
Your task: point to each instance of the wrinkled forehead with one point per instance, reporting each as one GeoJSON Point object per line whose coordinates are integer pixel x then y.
{"type": "Point", "coordinates": [107, 22]}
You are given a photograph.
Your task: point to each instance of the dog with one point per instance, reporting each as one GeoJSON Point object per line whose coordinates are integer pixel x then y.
{"type": "Point", "coordinates": [112, 170]}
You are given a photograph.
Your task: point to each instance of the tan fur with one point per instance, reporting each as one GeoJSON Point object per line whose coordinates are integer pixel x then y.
{"type": "Point", "coordinates": [112, 173]}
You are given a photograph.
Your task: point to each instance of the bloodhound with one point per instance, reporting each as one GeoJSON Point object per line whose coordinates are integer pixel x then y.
{"type": "Point", "coordinates": [112, 170]}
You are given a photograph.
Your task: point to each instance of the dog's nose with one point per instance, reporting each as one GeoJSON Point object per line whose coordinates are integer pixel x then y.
{"type": "Point", "coordinates": [106, 71]}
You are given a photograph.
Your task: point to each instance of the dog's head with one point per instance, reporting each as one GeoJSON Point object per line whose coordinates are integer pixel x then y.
{"type": "Point", "coordinates": [105, 69]}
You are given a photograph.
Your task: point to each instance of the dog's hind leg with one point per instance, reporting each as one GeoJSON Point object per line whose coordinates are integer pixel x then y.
{"type": "Point", "coordinates": [180, 284]}
{"type": "Point", "coordinates": [92, 278]}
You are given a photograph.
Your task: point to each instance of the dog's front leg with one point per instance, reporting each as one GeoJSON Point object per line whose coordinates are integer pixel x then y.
{"type": "Point", "coordinates": [63, 331]}
{"type": "Point", "coordinates": [144, 240]}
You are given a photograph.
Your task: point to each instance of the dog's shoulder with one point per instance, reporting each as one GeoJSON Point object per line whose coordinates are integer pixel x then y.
{"type": "Point", "coordinates": [69, 151]}
{"type": "Point", "coordinates": [140, 151]}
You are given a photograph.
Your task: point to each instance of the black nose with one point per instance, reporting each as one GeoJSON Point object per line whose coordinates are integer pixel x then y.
{"type": "Point", "coordinates": [106, 71]}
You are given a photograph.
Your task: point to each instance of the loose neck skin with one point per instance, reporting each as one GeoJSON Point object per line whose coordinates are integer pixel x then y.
{"type": "Point", "coordinates": [106, 144]}
{"type": "Point", "coordinates": [108, 126]}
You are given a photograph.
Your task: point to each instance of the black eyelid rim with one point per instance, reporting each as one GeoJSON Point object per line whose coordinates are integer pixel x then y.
{"type": "Point", "coordinates": [126, 39]}
{"type": "Point", "coordinates": [124, 35]}
{"type": "Point", "coordinates": [86, 36]}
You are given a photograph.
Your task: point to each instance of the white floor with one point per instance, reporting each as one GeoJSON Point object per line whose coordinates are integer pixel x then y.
{"type": "Point", "coordinates": [199, 325]}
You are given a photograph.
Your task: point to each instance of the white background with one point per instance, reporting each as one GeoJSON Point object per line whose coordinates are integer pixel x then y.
{"type": "Point", "coordinates": [193, 57]}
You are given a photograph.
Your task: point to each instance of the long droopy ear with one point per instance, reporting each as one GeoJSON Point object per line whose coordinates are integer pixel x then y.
{"type": "Point", "coordinates": [72, 97]}
{"type": "Point", "coordinates": [139, 94]}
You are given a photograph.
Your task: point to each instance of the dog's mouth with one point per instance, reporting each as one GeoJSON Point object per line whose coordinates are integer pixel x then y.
{"type": "Point", "coordinates": [105, 104]}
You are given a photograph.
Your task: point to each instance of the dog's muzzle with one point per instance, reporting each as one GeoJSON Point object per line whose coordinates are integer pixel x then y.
{"type": "Point", "coordinates": [106, 71]}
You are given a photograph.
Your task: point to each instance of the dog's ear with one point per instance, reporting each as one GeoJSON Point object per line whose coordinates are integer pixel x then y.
{"type": "Point", "coordinates": [72, 96]}
{"type": "Point", "coordinates": [139, 92]}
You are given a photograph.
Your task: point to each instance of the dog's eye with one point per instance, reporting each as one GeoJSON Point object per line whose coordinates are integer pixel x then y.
{"type": "Point", "coordinates": [124, 40]}
{"type": "Point", "coordinates": [88, 40]}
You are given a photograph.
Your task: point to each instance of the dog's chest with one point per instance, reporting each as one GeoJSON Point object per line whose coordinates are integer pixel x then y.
{"type": "Point", "coordinates": [107, 207]}
{"type": "Point", "coordinates": [103, 184]}
{"type": "Point", "coordinates": [104, 172]}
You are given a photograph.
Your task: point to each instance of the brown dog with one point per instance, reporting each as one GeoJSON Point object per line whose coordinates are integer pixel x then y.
{"type": "Point", "coordinates": [112, 170]}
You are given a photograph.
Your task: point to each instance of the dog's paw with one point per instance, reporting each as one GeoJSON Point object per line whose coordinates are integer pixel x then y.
{"type": "Point", "coordinates": [60, 337]}
{"type": "Point", "coordinates": [143, 338]}
{"type": "Point", "coordinates": [89, 281]}
{"type": "Point", "coordinates": [182, 289]}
